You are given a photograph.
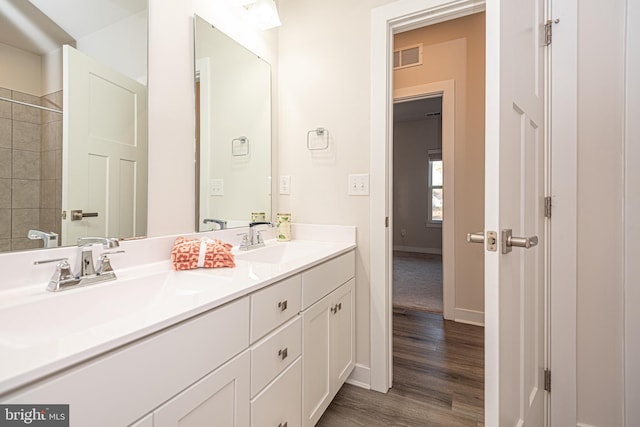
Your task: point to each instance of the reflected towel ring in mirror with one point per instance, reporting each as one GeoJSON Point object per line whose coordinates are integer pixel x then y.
{"type": "Point", "coordinates": [240, 146]}
{"type": "Point", "coordinates": [318, 139]}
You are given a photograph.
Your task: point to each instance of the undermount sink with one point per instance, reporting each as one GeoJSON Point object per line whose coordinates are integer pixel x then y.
{"type": "Point", "coordinates": [281, 252]}
{"type": "Point", "coordinates": [74, 311]}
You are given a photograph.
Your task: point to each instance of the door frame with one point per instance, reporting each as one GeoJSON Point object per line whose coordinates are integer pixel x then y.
{"type": "Point", "coordinates": [446, 90]}
{"type": "Point", "coordinates": [387, 20]}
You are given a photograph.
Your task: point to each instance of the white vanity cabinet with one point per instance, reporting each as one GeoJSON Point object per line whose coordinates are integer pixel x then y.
{"type": "Point", "coordinates": [328, 334]}
{"type": "Point", "coordinates": [273, 357]}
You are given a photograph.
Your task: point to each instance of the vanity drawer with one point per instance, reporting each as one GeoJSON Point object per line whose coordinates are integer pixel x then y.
{"type": "Point", "coordinates": [274, 353]}
{"type": "Point", "coordinates": [273, 306]}
{"type": "Point", "coordinates": [324, 278]}
{"type": "Point", "coordinates": [280, 403]}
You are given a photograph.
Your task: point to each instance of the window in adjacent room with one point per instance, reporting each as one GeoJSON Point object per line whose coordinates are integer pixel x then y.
{"type": "Point", "coordinates": [434, 193]}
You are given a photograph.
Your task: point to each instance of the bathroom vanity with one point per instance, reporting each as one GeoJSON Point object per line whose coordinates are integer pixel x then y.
{"type": "Point", "coordinates": [268, 343]}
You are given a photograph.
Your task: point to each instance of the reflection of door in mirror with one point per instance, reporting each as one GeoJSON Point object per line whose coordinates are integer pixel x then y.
{"type": "Point", "coordinates": [234, 136]}
{"type": "Point", "coordinates": [105, 151]}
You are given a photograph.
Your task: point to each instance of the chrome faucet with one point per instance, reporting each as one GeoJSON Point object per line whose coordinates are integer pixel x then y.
{"type": "Point", "coordinates": [253, 239]}
{"type": "Point", "coordinates": [221, 223]}
{"type": "Point", "coordinates": [84, 262]}
{"type": "Point", "coordinates": [50, 239]}
{"type": "Point", "coordinates": [86, 272]}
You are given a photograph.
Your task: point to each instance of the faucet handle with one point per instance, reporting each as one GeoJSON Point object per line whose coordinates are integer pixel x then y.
{"type": "Point", "coordinates": [104, 263]}
{"type": "Point", "coordinates": [245, 241]}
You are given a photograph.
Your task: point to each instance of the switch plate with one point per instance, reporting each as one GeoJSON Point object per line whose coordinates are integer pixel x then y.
{"type": "Point", "coordinates": [285, 184]}
{"type": "Point", "coordinates": [358, 184]}
{"type": "Point", "coordinates": [216, 187]}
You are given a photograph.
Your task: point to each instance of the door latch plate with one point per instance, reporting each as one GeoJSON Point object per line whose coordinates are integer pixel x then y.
{"type": "Point", "coordinates": [492, 241]}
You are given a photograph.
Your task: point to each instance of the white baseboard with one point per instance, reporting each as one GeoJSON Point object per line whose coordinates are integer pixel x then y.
{"type": "Point", "coordinates": [471, 317]}
{"type": "Point", "coordinates": [360, 377]}
{"type": "Point", "coordinates": [584, 425]}
{"type": "Point", "coordinates": [435, 251]}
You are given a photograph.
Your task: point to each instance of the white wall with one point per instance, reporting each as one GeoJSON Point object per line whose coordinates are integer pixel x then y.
{"type": "Point", "coordinates": [600, 299]}
{"type": "Point", "coordinates": [324, 80]}
{"type": "Point", "coordinates": [121, 46]}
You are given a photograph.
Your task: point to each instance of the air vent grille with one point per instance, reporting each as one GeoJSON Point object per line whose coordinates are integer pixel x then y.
{"type": "Point", "coordinates": [409, 56]}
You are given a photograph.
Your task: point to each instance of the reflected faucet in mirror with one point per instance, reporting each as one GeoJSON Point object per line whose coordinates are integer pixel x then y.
{"type": "Point", "coordinates": [50, 239]}
{"type": "Point", "coordinates": [222, 224]}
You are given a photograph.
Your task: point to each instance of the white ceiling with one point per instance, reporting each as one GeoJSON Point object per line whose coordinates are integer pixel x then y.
{"type": "Point", "coordinates": [40, 26]}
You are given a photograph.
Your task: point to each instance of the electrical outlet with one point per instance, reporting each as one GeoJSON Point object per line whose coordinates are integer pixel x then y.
{"type": "Point", "coordinates": [216, 187]}
{"type": "Point", "coordinates": [358, 184]}
{"type": "Point", "coordinates": [285, 184]}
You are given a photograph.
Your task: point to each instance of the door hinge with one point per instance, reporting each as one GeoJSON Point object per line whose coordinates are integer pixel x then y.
{"type": "Point", "coordinates": [386, 221]}
{"type": "Point", "coordinates": [547, 207]}
{"type": "Point", "coordinates": [548, 31]}
{"type": "Point", "coordinates": [547, 380]}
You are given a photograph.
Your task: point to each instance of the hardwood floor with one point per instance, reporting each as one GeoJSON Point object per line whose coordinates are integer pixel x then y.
{"type": "Point", "coordinates": [438, 379]}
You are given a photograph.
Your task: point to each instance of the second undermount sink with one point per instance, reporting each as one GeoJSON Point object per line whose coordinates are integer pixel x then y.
{"type": "Point", "coordinates": [281, 252]}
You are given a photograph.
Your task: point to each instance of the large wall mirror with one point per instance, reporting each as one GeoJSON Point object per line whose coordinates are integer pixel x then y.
{"type": "Point", "coordinates": [233, 128]}
{"type": "Point", "coordinates": [73, 121]}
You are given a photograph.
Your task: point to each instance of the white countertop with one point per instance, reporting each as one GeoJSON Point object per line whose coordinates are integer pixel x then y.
{"type": "Point", "coordinates": [44, 332]}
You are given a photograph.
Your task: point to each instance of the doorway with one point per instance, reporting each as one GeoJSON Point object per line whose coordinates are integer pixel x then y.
{"type": "Point", "coordinates": [417, 204]}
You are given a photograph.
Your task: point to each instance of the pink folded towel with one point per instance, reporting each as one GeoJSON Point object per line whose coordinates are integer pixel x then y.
{"type": "Point", "coordinates": [193, 253]}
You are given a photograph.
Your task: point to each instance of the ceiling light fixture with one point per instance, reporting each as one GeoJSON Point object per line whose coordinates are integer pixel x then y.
{"type": "Point", "coordinates": [263, 12]}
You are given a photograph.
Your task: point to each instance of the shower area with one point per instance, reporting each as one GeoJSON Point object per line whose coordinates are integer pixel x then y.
{"type": "Point", "coordinates": [30, 167]}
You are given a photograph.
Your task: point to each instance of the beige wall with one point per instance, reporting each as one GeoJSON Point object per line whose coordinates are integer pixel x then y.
{"type": "Point", "coordinates": [600, 299]}
{"type": "Point", "coordinates": [454, 50]}
{"type": "Point", "coordinates": [29, 78]}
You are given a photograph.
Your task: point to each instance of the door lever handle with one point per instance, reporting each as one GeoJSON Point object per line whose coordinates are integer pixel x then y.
{"type": "Point", "coordinates": [508, 241]}
{"type": "Point", "coordinates": [477, 237]}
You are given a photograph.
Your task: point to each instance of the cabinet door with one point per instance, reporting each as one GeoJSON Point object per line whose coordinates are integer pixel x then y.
{"type": "Point", "coordinates": [316, 361]}
{"type": "Point", "coordinates": [279, 404]}
{"type": "Point", "coordinates": [342, 334]}
{"type": "Point", "coordinates": [220, 399]}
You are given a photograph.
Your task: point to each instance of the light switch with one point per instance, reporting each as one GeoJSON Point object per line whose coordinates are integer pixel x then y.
{"type": "Point", "coordinates": [216, 187]}
{"type": "Point", "coordinates": [285, 184]}
{"type": "Point", "coordinates": [358, 184]}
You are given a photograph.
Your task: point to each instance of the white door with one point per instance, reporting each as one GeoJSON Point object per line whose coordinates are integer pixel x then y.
{"type": "Point", "coordinates": [104, 149]}
{"type": "Point", "coordinates": [515, 182]}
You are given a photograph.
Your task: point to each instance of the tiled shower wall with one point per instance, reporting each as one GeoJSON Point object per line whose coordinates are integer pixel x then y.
{"type": "Point", "coordinates": [30, 168]}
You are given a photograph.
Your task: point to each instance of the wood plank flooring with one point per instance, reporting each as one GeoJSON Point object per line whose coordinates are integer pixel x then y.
{"type": "Point", "coordinates": [438, 379]}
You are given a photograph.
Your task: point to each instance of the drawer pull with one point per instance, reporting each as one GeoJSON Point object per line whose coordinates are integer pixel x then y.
{"type": "Point", "coordinates": [284, 424]}
{"type": "Point", "coordinates": [334, 309]}
{"type": "Point", "coordinates": [339, 306]}
{"type": "Point", "coordinates": [282, 305]}
{"type": "Point", "coordinates": [283, 353]}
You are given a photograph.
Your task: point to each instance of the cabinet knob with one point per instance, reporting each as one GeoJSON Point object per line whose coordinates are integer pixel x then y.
{"type": "Point", "coordinates": [340, 306]}
{"type": "Point", "coordinates": [283, 353]}
{"type": "Point", "coordinates": [284, 424]}
{"type": "Point", "coordinates": [334, 309]}
{"type": "Point", "coordinates": [282, 305]}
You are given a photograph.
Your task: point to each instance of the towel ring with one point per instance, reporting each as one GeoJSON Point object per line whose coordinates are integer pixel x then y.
{"type": "Point", "coordinates": [321, 134]}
